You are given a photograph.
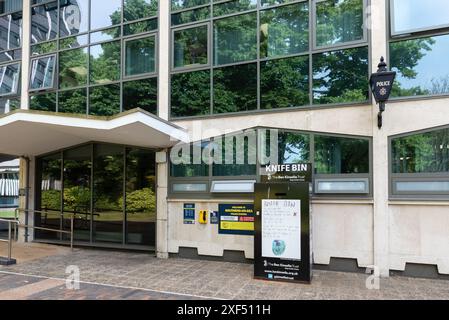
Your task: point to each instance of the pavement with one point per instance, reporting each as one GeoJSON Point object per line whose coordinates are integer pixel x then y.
{"type": "Point", "coordinates": [129, 275]}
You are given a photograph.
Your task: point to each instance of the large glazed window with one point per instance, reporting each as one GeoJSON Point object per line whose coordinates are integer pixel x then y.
{"type": "Point", "coordinates": [420, 164]}
{"type": "Point", "coordinates": [104, 53]}
{"type": "Point", "coordinates": [419, 67]}
{"type": "Point", "coordinates": [110, 189]}
{"type": "Point", "coordinates": [419, 43]}
{"type": "Point", "coordinates": [10, 54]}
{"type": "Point", "coordinates": [255, 55]}
{"type": "Point", "coordinates": [339, 21]}
{"type": "Point", "coordinates": [236, 161]}
{"type": "Point", "coordinates": [409, 16]}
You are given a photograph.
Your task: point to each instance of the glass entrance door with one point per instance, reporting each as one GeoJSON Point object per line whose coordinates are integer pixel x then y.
{"type": "Point", "coordinates": [111, 190]}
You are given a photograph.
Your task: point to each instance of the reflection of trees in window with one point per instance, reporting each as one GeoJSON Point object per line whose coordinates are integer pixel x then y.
{"type": "Point", "coordinates": [419, 73]}
{"type": "Point", "coordinates": [184, 4]}
{"type": "Point", "coordinates": [190, 94]}
{"type": "Point", "coordinates": [235, 88]}
{"type": "Point", "coordinates": [73, 101]}
{"type": "Point", "coordinates": [104, 100]}
{"type": "Point", "coordinates": [139, 9]}
{"type": "Point", "coordinates": [140, 56]}
{"type": "Point", "coordinates": [284, 83]}
{"type": "Point", "coordinates": [140, 94]}
{"type": "Point", "coordinates": [341, 76]}
{"type": "Point", "coordinates": [73, 68]}
{"type": "Point", "coordinates": [339, 21]}
{"type": "Point", "coordinates": [105, 62]}
{"type": "Point", "coordinates": [233, 6]}
{"type": "Point", "coordinates": [235, 39]}
{"type": "Point", "coordinates": [284, 30]}
{"type": "Point", "coordinates": [9, 104]}
{"type": "Point", "coordinates": [421, 153]}
{"type": "Point", "coordinates": [190, 47]}
{"type": "Point", "coordinates": [293, 147]}
{"type": "Point", "coordinates": [43, 102]}
{"type": "Point", "coordinates": [334, 155]}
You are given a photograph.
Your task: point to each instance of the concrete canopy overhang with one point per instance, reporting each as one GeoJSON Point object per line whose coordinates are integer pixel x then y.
{"type": "Point", "coordinates": [33, 133]}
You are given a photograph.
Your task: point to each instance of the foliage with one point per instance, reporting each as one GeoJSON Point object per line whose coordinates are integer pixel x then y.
{"type": "Point", "coordinates": [143, 200]}
{"type": "Point", "coordinates": [51, 199]}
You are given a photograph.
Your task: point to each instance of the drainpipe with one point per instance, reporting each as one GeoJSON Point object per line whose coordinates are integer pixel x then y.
{"type": "Point", "coordinates": [25, 192]}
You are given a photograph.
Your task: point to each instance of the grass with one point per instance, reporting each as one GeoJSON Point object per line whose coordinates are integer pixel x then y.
{"type": "Point", "coordinates": [6, 214]}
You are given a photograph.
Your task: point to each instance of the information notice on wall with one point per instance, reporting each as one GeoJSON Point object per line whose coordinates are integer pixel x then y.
{"type": "Point", "coordinates": [189, 213]}
{"type": "Point", "coordinates": [281, 229]}
{"type": "Point", "coordinates": [236, 219]}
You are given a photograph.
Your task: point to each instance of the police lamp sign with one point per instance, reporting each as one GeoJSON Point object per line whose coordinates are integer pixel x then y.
{"type": "Point", "coordinates": [381, 85]}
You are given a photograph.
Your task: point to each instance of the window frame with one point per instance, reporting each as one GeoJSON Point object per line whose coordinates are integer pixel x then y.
{"type": "Point", "coordinates": [156, 56]}
{"type": "Point", "coordinates": [395, 34]}
{"type": "Point", "coordinates": [18, 85]}
{"type": "Point", "coordinates": [337, 46]}
{"type": "Point", "coordinates": [122, 37]}
{"type": "Point", "coordinates": [394, 178]}
{"type": "Point", "coordinates": [209, 180]}
{"type": "Point", "coordinates": [311, 105]}
{"type": "Point", "coordinates": [53, 78]}
{"type": "Point", "coordinates": [172, 51]}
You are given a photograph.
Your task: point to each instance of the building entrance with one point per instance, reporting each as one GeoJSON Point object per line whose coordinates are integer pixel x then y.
{"type": "Point", "coordinates": [111, 190]}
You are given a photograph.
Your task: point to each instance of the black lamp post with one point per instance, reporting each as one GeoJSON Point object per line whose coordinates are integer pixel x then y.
{"type": "Point", "coordinates": [381, 84]}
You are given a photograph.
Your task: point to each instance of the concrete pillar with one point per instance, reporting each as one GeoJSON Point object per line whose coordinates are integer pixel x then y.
{"type": "Point", "coordinates": [379, 43]}
{"type": "Point", "coordinates": [26, 40]}
{"type": "Point", "coordinates": [162, 207]}
{"type": "Point", "coordinates": [164, 60]}
{"type": "Point", "coordinates": [26, 184]}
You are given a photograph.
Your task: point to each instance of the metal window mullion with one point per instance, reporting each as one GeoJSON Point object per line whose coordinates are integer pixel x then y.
{"type": "Point", "coordinates": [258, 66]}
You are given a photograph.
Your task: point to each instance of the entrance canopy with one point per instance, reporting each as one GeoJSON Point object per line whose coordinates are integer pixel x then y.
{"type": "Point", "coordinates": [32, 133]}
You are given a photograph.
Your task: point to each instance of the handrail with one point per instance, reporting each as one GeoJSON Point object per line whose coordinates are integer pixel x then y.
{"type": "Point", "coordinates": [17, 225]}
{"type": "Point", "coordinates": [9, 241]}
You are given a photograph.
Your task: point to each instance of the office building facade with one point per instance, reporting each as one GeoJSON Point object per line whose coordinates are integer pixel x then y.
{"type": "Point", "coordinates": [128, 113]}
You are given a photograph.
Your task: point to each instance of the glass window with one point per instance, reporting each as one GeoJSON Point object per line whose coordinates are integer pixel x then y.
{"type": "Point", "coordinates": [419, 67]}
{"type": "Point", "coordinates": [187, 160]}
{"type": "Point", "coordinates": [284, 30]}
{"type": "Point", "coordinates": [105, 35]}
{"type": "Point", "coordinates": [140, 94]}
{"type": "Point", "coordinates": [290, 90]}
{"type": "Point", "coordinates": [11, 32]}
{"type": "Point", "coordinates": [105, 62]}
{"type": "Point", "coordinates": [139, 9]}
{"type": "Point", "coordinates": [73, 17]}
{"type": "Point", "coordinates": [107, 193]}
{"type": "Point", "coordinates": [43, 102]}
{"type": "Point", "coordinates": [414, 15]}
{"type": "Point", "coordinates": [190, 16]}
{"type": "Point", "coordinates": [235, 88]}
{"type": "Point", "coordinates": [426, 152]}
{"type": "Point", "coordinates": [190, 47]}
{"type": "Point", "coordinates": [77, 179]}
{"type": "Point", "coordinates": [339, 21]}
{"type": "Point", "coordinates": [73, 68]}
{"type": "Point", "coordinates": [233, 6]}
{"type": "Point", "coordinates": [104, 100]}
{"type": "Point", "coordinates": [140, 27]}
{"type": "Point", "coordinates": [105, 13]}
{"type": "Point", "coordinates": [140, 196]}
{"type": "Point", "coordinates": [42, 72]}
{"type": "Point", "coordinates": [238, 155]}
{"type": "Point", "coordinates": [140, 56]}
{"type": "Point", "coordinates": [44, 22]}
{"type": "Point", "coordinates": [340, 76]}
{"type": "Point", "coordinates": [235, 39]}
{"type": "Point", "coordinates": [9, 79]}
{"type": "Point", "coordinates": [73, 101]}
{"type": "Point", "coordinates": [293, 147]}
{"type": "Point", "coordinates": [10, 6]}
{"type": "Point", "coordinates": [190, 94]}
{"type": "Point", "coordinates": [49, 199]}
{"type": "Point", "coordinates": [184, 4]}
{"type": "Point", "coordinates": [8, 104]}
{"type": "Point", "coordinates": [336, 155]}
